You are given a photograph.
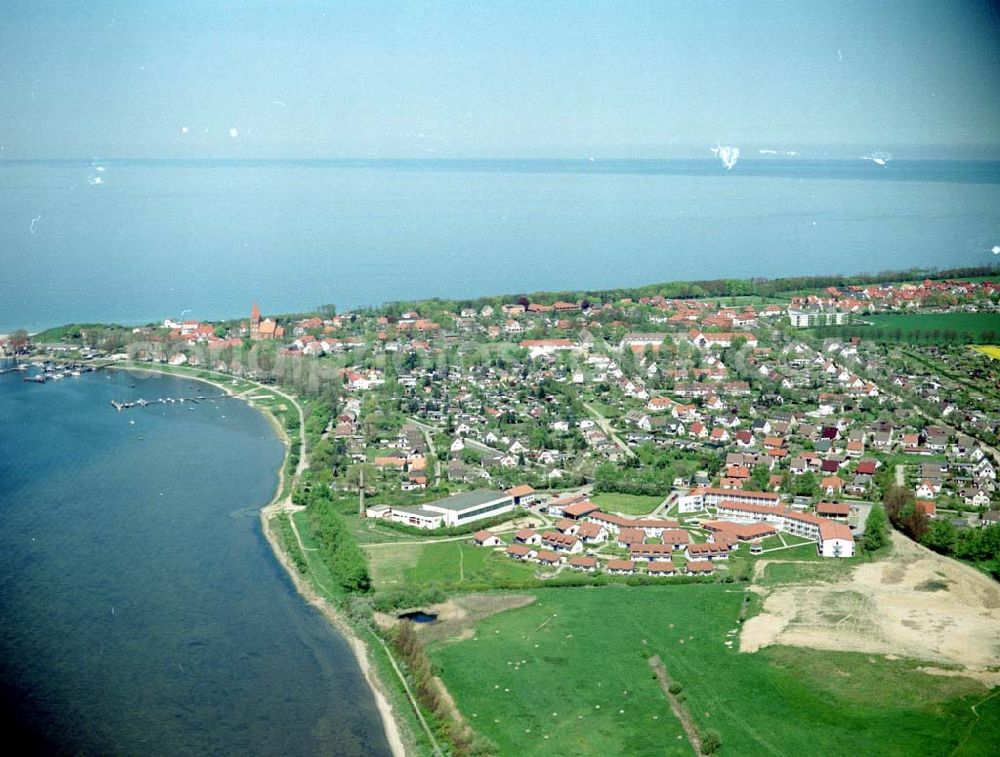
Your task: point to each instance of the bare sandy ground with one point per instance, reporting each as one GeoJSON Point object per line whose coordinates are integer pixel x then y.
{"type": "Point", "coordinates": [915, 604]}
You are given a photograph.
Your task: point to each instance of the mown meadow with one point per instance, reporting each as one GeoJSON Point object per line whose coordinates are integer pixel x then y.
{"type": "Point", "coordinates": [569, 674]}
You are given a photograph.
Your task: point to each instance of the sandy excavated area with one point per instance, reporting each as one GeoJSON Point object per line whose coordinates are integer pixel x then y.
{"type": "Point", "coordinates": [914, 604]}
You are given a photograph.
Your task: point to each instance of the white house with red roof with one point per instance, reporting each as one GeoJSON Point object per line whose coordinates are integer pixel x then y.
{"type": "Point", "coordinates": [486, 538]}
{"type": "Point", "coordinates": [835, 540]}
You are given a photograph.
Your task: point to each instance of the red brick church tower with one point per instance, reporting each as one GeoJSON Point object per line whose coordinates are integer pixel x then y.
{"type": "Point", "coordinates": [255, 322]}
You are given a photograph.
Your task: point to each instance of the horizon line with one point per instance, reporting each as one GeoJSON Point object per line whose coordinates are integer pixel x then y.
{"type": "Point", "coordinates": [752, 158]}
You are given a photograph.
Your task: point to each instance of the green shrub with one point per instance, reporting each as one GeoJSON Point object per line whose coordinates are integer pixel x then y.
{"type": "Point", "coordinates": [711, 742]}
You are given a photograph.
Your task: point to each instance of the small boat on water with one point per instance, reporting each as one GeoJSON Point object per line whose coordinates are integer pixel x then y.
{"type": "Point", "coordinates": [38, 378]}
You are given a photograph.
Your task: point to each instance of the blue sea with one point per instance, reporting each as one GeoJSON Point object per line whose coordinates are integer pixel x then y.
{"type": "Point", "coordinates": [137, 241]}
{"type": "Point", "coordinates": [141, 609]}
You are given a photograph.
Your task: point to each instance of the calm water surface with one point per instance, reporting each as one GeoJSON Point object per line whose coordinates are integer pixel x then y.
{"type": "Point", "coordinates": [157, 238]}
{"type": "Point", "coordinates": [141, 609]}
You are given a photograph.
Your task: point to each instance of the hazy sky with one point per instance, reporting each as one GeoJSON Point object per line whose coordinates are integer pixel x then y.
{"type": "Point", "coordinates": [521, 79]}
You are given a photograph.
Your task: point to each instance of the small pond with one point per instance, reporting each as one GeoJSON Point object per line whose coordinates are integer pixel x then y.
{"type": "Point", "coordinates": [419, 616]}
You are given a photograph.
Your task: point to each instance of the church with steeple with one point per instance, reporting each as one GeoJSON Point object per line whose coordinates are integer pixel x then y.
{"type": "Point", "coordinates": [264, 330]}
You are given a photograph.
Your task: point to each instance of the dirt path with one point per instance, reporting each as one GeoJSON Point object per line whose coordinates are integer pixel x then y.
{"type": "Point", "coordinates": [678, 708]}
{"type": "Point", "coordinates": [298, 536]}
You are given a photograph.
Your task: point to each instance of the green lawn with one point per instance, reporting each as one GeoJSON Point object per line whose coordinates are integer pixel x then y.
{"type": "Point", "coordinates": [904, 459]}
{"type": "Point", "coordinates": [454, 564]}
{"type": "Point", "coordinates": [791, 539]}
{"type": "Point", "coordinates": [608, 411]}
{"type": "Point", "coordinates": [802, 550]}
{"type": "Point", "coordinates": [805, 572]}
{"type": "Point", "coordinates": [569, 675]}
{"type": "Point", "coordinates": [627, 504]}
{"type": "Point", "coordinates": [372, 531]}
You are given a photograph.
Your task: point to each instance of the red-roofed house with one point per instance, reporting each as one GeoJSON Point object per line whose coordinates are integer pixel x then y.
{"type": "Point", "coordinates": [527, 536]}
{"type": "Point", "coordinates": [708, 551]}
{"type": "Point", "coordinates": [835, 540]}
{"type": "Point", "coordinates": [621, 567]}
{"type": "Point", "coordinates": [521, 552]}
{"type": "Point", "coordinates": [699, 568]}
{"type": "Point", "coordinates": [661, 568]}
{"type": "Point", "coordinates": [831, 485]}
{"type": "Point", "coordinates": [580, 510]}
{"type": "Point", "coordinates": [562, 542]}
{"type": "Point", "coordinates": [487, 539]}
{"type": "Point", "coordinates": [523, 495]}
{"type": "Point", "coordinates": [583, 563]}
{"type": "Point", "coordinates": [833, 510]}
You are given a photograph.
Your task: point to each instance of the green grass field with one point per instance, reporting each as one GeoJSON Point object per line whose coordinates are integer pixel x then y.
{"type": "Point", "coordinates": [904, 459]}
{"type": "Point", "coordinates": [569, 675]}
{"type": "Point", "coordinates": [608, 411]}
{"type": "Point", "coordinates": [627, 504]}
{"type": "Point", "coordinates": [804, 572]}
{"type": "Point", "coordinates": [927, 324]}
{"type": "Point", "coordinates": [452, 564]}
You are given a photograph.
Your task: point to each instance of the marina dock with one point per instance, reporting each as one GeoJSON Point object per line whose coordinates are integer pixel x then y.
{"type": "Point", "coordinates": [128, 405]}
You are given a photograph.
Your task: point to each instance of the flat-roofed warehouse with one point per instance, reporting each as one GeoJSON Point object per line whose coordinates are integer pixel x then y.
{"type": "Point", "coordinates": [457, 509]}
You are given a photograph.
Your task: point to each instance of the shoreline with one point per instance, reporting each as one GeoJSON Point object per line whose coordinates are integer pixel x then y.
{"type": "Point", "coordinates": [277, 505]}
{"type": "Point", "coordinates": [971, 269]}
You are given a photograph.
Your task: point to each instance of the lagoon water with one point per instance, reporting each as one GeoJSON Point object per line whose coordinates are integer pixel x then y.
{"type": "Point", "coordinates": [206, 238]}
{"type": "Point", "coordinates": [141, 609]}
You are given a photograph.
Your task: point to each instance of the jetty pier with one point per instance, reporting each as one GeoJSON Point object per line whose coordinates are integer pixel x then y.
{"type": "Point", "coordinates": [129, 404]}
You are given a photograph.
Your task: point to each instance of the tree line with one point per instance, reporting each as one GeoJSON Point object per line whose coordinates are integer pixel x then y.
{"type": "Point", "coordinates": [978, 545]}
{"type": "Point", "coordinates": [758, 287]}
{"type": "Point", "coordinates": [909, 336]}
{"type": "Point", "coordinates": [464, 741]}
{"type": "Point", "coordinates": [338, 549]}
